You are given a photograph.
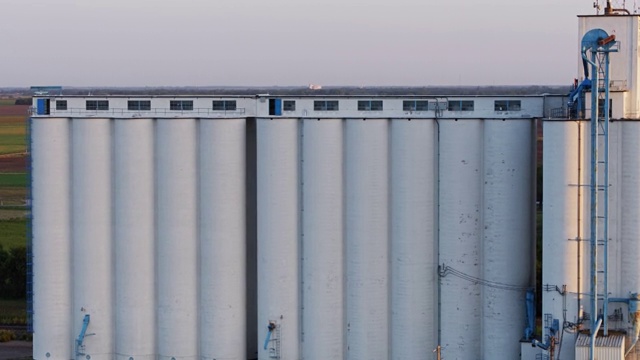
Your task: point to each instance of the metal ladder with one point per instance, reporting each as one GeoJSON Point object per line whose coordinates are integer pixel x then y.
{"type": "Point", "coordinates": [599, 44]}
{"type": "Point", "coordinates": [600, 182]}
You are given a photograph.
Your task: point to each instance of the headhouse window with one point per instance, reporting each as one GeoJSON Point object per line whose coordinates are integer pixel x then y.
{"type": "Point", "coordinates": [224, 105]}
{"type": "Point", "coordinates": [415, 105]}
{"type": "Point", "coordinates": [326, 105]}
{"type": "Point", "coordinates": [507, 105]}
{"type": "Point", "coordinates": [61, 105]}
{"type": "Point", "coordinates": [97, 105]}
{"type": "Point", "coordinates": [460, 105]}
{"type": "Point", "coordinates": [369, 105]}
{"type": "Point", "coordinates": [289, 105]}
{"type": "Point", "coordinates": [139, 105]}
{"type": "Point", "coordinates": [181, 105]}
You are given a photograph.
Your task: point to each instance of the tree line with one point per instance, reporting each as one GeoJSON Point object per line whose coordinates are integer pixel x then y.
{"type": "Point", "coordinates": [13, 273]}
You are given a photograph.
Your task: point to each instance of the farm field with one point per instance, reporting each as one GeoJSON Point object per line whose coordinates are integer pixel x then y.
{"type": "Point", "coordinates": [12, 196]}
{"type": "Point", "coordinates": [14, 163]}
{"type": "Point", "coordinates": [12, 213]}
{"type": "Point", "coordinates": [13, 157]}
{"type": "Point", "coordinates": [13, 110]}
{"type": "Point", "coordinates": [13, 131]}
{"type": "Point", "coordinates": [13, 187]}
{"type": "Point", "coordinates": [13, 232]}
{"type": "Point", "coordinates": [14, 217]}
{"type": "Point", "coordinates": [13, 180]}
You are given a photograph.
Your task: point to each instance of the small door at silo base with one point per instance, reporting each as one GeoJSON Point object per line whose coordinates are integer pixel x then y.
{"type": "Point", "coordinates": [275, 107]}
{"type": "Point", "coordinates": [43, 106]}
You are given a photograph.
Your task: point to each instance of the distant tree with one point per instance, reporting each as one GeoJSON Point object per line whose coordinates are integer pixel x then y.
{"type": "Point", "coordinates": [13, 272]}
{"type": "Point", "coordinates": [17, 269]}
{"type": "Point", "coordinates": [23, 101]}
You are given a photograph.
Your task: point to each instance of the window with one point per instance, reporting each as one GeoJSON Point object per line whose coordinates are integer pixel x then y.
{"type": "Point", "coordinates": [181, 105]}
{"type": "Point", "coordinates": [97, 105]}
{"type": "Point", "coordinates": [601, 107]}
{"type": "Point", "coordinates": [325, 105]}
{"type": "Point", "coordinates": [224, 105]}
{"type": "Point", "coordinates": [61, 104]}
{"type": "Point", "coordinates": [139, 105]}
{"type": "Point", "coordinates": [461, 105]}
{"type": "Point", "coordinates": [289, 105]}
{"type": "Point", "coordinates": [415, 105]}
{"type": "Point", "coordinates": [370, 105]}
{"type": "Point", "coordinates": [507, 105]}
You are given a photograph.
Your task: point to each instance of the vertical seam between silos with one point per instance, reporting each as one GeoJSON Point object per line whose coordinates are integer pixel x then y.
{"type": "Point", "coordinates": [198, 221]}
{"type": "Point", "coordinates": [71, 234]}
{"type": "Point", "coordinates": [436, 231]}
{"type": "Point", "coordinates": [481, 225]}
{"type": "Point", "coordinates": [155, 234]}
{"type": "Point", "coordinates": [300, 195]}
{"type": "Point", "coordinates": [345, 280]}
{"type": "Point", "coordinates": [112, 244]}
{"type": "Point", "coordinates": [389, 206]}
{"type": "Point", "coordinates": [536, 122]}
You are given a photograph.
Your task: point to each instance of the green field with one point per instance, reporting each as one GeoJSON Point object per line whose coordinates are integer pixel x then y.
{"type": "Point", "coordinates": [12, 140]}
{"type": "Point", "coordinates": [13, 180]}
{"type": "Point", "coordinates": [12, 144]}
{"type": "Point", "coordinates": [13, 132]}
{"type": "Point", "coordinates": [7, 101]}
{"type": "Point", "coordinates": [13, 233]}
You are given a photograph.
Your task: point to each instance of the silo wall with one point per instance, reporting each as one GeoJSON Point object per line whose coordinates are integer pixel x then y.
{"type": "Point", "coordinates": [140, 224]}
{"type": "Point", "coordinates": [566, 261]}
{"type": "Point", "coordinates": [486, 234]}
{"type": "Point", "coordinates": [309, 238]}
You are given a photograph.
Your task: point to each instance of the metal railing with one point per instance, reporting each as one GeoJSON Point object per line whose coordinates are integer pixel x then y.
{"type": "Point", "coordinates": [558, 113]}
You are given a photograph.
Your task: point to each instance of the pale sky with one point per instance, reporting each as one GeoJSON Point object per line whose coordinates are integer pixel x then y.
{"type": "Point", "coordinates": [289, 42]}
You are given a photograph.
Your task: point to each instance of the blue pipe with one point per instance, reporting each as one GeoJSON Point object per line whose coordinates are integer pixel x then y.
{"type": "Point", "coordinates": [543, 346]}
{"type": "Point", "coordinates": [594, 333]}
{"type": "Point", "coordinates": [553, 330]}
{"type": "Point", "coordinates": [585, 67]}
{"type": "Point", "coordinates": [576, 99]}
{"type": "Point", "coordinates": [266, 341]}
{"type": "Point", "coordinates": [531, 315]}
{"type": "Point", "coordinates": [271, 327]}
{"type": "Point", "coordinates": [83, 332]}
{"type": "Point", "coordinates": [595, 320]}
{"type": "Point", "coordinates": [619, 300]}
{"type": "Point", "coordinates": [81, 336]}
{"type": "Point", "coordinates": [575, 93]}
